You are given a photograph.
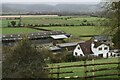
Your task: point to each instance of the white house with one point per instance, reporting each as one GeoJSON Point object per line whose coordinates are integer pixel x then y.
{"type": "Point", "coordinates": [83, 49]}
{"type": "Point", "coordinates": [92, 48]}
{"type": "Point", "coordinates": [78, 51]}
{"type": "Point", "coordinates": [100, 49]}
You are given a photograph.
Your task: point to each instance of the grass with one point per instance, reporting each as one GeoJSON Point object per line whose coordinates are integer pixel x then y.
{"type": "Point", "coordinates": [55, 20]}
{"type": "Point", "coordinates": [17, 30]}
{"type": "Point", "coordinates": [79, 30]}
{"type": "Point", "coordinates": [79, 71]}
{"type": "Point", "coordinates": [6, 22]}
{"type": "Point", "coordinates": [76, 31]}
{"type": "Point", "coordinates": [60, 20]}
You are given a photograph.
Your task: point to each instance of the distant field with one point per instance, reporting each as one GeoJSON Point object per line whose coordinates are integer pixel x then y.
{"type": "Point", "coordinates": [17, 30]}
{"type": "Point", "coordinates": [75, 20]}
{"type": "Point", "coordinates": [69, 20]}
{"type": "Point", "coordinates": [6, 22]}
{"type": "Point", "coordinates": [79, 71]}
{"type": "Point", "coordinates": [79, 30]}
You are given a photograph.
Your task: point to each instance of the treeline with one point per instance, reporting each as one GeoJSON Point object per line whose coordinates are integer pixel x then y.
{"type": "Point", "coordinates": [48, 25]}
{"type": "Point", "coordinates": [18, 24]}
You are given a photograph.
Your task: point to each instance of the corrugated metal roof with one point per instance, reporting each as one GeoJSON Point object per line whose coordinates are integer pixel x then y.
{"type": "Point", "coordinates": [54, 48]}
{"type": "Point", "coordinates": [58, 36]}
{"type": "Point", "coordinates": [69, 44]}
{"type": "Point", "coordinates": [102, 38]}
{"type": "Point", "coordinates": [43, 34]}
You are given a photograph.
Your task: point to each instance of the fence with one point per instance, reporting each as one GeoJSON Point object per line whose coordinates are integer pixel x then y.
{"type": "Point", "coordinates": [93, 70]}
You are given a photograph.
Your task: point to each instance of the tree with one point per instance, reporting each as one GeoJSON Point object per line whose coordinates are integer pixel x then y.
{"type": "Point", "coordinates": [24, 61]}
{"type": "Point", "coordinates": [114, 17]}
{"type": "Point", "coordinates": [9, 24]}
{"type": "Point", "coordinates": [19, 24]}
{"type": "Point", "coordinates": [13, 23]}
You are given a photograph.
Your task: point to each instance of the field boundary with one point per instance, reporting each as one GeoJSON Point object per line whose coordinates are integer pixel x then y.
{"type": "Point", "coordinates": [93, 70]}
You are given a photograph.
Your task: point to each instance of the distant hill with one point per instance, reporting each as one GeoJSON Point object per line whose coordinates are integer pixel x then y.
{"type": "Point", "coordinates": [8, 8]}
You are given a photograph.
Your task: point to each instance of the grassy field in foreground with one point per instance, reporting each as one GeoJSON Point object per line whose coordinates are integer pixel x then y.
{"type": "Point", "coordinates": [17, 30]}
{"type": "Point", "coordinates": [79, 71]}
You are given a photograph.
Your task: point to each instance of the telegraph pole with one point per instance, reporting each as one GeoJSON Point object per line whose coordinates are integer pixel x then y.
{"type": "Point", "coordinates": [20, 21]}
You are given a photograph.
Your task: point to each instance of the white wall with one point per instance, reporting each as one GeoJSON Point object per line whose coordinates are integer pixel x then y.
{"type": "Point", "coordinates": [78, 51]}
{"type": "Point", "coordinates": [96, 51]}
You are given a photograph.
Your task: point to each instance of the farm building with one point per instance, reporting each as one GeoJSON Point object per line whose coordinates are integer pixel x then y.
{"type": "Point", "coordinates": [103, 39]}
{"type": "Point", "coordinates": [90, 47]}
{"type": "Point", "coordinates": [36, 38]}
{"type": "Point", "coordinates": [64, 47]}
{"type": "Point", "coordinates": [55, 49]}
{"type": "Point", "coordinates": [68, 46]}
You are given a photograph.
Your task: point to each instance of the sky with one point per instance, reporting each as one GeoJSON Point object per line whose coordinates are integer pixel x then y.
{"type": "Point", "coordinates": [51, 1]}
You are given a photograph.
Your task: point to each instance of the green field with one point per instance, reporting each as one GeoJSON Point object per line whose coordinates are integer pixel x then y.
{"type": "Point", "coordinates": [76, 31]}
{"type": "Point", "coordinates": [79, 71]}
{"type": "Point", "coordinates": [59, 20]}
{"type": "Point", "coordinates": [17, 30]}
{"type": "Point", "coordinates": [76, 20]}
{"type": "Point", "coordinates": [79, 30]}
{"type": "Point", "coordinates": [6, 22]}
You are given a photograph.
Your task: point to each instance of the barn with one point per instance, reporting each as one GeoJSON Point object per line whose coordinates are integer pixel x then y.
{"type": "Point", "coordinates": [36, 38]}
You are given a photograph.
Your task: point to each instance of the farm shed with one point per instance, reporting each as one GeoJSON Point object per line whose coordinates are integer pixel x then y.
{"type": "Point", "coordinates": [68, 46]}
{"type": "Point", "coordinates": [57, 37]}
{"type": "Point", "coordinates": [37, 38]}
{"type": "Point", "coordinates": [55, 49]}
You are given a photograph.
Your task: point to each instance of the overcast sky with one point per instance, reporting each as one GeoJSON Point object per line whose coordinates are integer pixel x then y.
{"type": "Point", "coordinates": [56, 1]}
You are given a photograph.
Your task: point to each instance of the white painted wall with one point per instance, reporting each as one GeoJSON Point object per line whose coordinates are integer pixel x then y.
{"type": "Point", "coordinates": [96, 51]}
{"type": "Point", "coordinates": [78, 51]}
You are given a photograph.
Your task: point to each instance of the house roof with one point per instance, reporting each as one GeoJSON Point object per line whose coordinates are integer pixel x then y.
{"type": "Point", "coordinates": [43, 34]}
{"type": "Point", "coordinates": [102, 38]}
{"type": "Point", "coordinates": [86, 47]}
{"type": "Point", "coordinates": [58, 36]}
{"type": "Point", "coordinates": [68, 44]}
{"type": "Point", "coordinates": [97, 44]}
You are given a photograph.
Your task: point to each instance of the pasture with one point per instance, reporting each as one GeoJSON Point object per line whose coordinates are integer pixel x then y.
{"type": "Point", "coordinates": [80, 30]}
{"type": "Point", "coordinates": [17, 30]}
{"type": "Point", "coordinates": [76, 29]}
{"type": "Point", "coordinates": [63, 20]}
{"type": "Point", "coordinates": [79, 71]}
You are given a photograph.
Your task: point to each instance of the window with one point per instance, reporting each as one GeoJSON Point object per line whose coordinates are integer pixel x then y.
{"type": "Point", "coordinates": [79, 48]}
{"type": "Point", "coordinates": [81, 55]}
{"type": "Point", "coordinates": [100, 48]}
{"type": "Point", "coordinates": [105, 48]}
{"type": "Point", "coordinates": [76, 53]}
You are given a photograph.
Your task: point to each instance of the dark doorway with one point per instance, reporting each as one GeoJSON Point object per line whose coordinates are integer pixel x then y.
{"type": "Point", "coordinates": [107, 55]}
{"type": "Point", "coordinates": [100, 55]}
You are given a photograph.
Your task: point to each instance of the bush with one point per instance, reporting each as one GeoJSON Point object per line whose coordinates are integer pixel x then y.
{"type": "Point", "coordinates": [70, 58]}
{"type": "Point", "coordinates": [24, 61]}
{"type": "Point", "coordinates": [13, 23]}
{"type": "Point", "coordinates": [84, 20]}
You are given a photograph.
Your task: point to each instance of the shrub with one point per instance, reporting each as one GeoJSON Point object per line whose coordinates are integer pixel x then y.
{"type": "Point", "coordinates": [13, 23]}
{"type": "Point", "coordinates": [24, 61]}
{"type": "Point", "coordinates": [84, 20]}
